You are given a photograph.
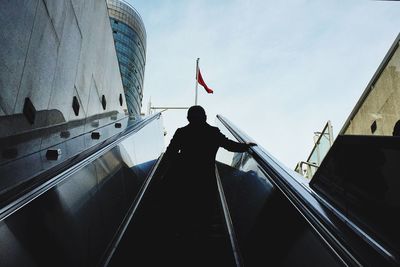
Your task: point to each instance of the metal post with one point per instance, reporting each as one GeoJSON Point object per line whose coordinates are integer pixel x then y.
{"type": "Point", "coordinates": [149, 107]}
{"type": "Point", "coordinates": [197, 83]}
{"type": "Point", "coordinates": [330, 131]}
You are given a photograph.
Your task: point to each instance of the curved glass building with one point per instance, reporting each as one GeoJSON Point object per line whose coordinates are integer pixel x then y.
{"type": "Point", "coordinates": [130, 43]}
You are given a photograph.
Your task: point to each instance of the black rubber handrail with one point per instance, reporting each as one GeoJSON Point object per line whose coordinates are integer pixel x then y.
{"type": "Point", "coordinates": [50, 178]}
{"type": "Point", "coordinates": [313, 208]}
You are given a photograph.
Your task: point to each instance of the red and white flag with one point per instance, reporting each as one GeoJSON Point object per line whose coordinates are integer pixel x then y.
{"type": "Point", "coordinates": [202, 83]}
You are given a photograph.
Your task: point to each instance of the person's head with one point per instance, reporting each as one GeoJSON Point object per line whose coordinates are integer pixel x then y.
{"type": "Point", "coordinates": [196, 115]}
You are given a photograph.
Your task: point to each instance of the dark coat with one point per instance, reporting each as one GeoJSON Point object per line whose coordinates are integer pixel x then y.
{"type": "Point", "coordinates": [195, 147]}
{"type": "Point", "coordinates": [190, 181]}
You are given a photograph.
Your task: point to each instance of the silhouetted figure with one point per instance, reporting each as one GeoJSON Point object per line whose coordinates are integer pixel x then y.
{"type": "Point", "coordinates": [396, 129]}
{"type": "Point", "coordinates": [192, 181]}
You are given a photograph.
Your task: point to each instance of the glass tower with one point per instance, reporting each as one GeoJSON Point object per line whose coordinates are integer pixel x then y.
{"type": "Point", "coordinates": [130, 44]}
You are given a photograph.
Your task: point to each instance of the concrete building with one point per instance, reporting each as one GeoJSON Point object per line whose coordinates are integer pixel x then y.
{"type": "Point", "coordinates": [130, 43]}
{"type": "Point", "coordinates": [58, 67]}
{"type": "Point", "coordinates": [378, 109]}
{"type": "Point", "coordinates": [376, 112]}
{"type": "Point", "coordinates": [72, 162]}
{"type": "Point", "coordinates": [60, 82]}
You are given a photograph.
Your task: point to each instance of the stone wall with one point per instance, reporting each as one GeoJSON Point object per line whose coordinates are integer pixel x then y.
{"type": "Point", "coordinates": [52, 51]}
{"type": "Point", "coordinates": [378, 109]}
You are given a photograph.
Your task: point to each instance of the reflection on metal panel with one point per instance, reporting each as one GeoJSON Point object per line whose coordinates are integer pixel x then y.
{"type": "Point", "coordinates": [149, 141]}
{"type": "Point", "coordinates": [74, 222]}
{"type": "Point", "coordinates": [246, 187]}
{"type": "Point", "coordinates": [75, 192]}
{"type": "Point", "coordinates": [359, 176]}
{"type": "Point", "coordinates": [23, 159]}
{"type": "Point", "coordinates": [270, 229]}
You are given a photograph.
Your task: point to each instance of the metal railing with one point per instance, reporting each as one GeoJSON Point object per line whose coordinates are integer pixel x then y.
{"type": "Point", "coordinates": [345, 239]}
{"type": "Point", "coordinates": [309, 167]}
{"type": "Point", "coordinates": [56, 175]}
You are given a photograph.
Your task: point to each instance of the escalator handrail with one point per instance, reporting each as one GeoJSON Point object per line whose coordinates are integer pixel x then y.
{"type": "Point", "coordinates": [308, 203]}
{"type": "Point", "coordinates": [57, 174]}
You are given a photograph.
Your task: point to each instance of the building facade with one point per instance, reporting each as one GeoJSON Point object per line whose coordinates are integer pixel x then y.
{"type": "Point", "coordinates": [59, 74]}
{"type": "Point", "coordinates": [130, 43]}
{"type": "Point", "coordinates": [378, 110]}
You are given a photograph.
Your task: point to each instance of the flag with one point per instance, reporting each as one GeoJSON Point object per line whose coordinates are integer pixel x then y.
{"type": "Point", "coordinates": [202, 83]}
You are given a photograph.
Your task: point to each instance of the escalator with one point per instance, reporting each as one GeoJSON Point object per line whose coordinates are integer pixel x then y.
{"type": "Point", "coordinates": [280, 218]}
{"type": "Point", "coordinates": [112, 204]}
{"type": "Point", "coordinates": [254, 223]}
{"type": "Point", "coordinates": [266, 215]}
{"type": "Point", "coordinates": [162, 234]}
{"type": "Point", "coordinates": [70, 211]}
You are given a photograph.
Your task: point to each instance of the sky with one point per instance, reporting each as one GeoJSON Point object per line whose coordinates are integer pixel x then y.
{"type": "Point", "coordinates": [279, 69]}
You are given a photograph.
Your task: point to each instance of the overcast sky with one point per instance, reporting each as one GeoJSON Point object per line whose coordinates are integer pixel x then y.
{"type": "Point", "coordinates": [279, 69]}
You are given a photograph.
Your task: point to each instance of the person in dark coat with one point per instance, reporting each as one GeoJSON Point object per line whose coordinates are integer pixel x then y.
{"type": "Point", "coordinates": [192, 153]}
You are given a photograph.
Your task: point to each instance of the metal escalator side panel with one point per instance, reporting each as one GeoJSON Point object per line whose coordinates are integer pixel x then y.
{"type": "Point", "coordinates": [43, 181]}
{"type": "Point", "coordinates": [129, 215]}
{"type": "Point", "coordinates": [359, 178]}
{"type": "Point", "coordinates": [228, 222]}
{"type": "Point", "coordinates": [349, 248]}
{"type": "Point", "coordinates": [70, 219]}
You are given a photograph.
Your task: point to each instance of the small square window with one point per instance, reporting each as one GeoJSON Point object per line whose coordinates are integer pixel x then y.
{"type": "Point", "coordinates": [373, 127]}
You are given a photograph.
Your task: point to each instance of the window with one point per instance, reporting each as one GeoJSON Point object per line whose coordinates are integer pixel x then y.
{"type": "Point", "coordinates": [373, 127]}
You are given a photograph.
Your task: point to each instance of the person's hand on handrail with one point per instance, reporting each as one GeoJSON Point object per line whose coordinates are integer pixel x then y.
{"type": "Point", "coordinates": [250, 144]}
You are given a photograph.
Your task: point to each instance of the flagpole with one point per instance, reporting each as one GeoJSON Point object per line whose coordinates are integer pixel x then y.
{"type": "Point", "coordinates": [197, 84]}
